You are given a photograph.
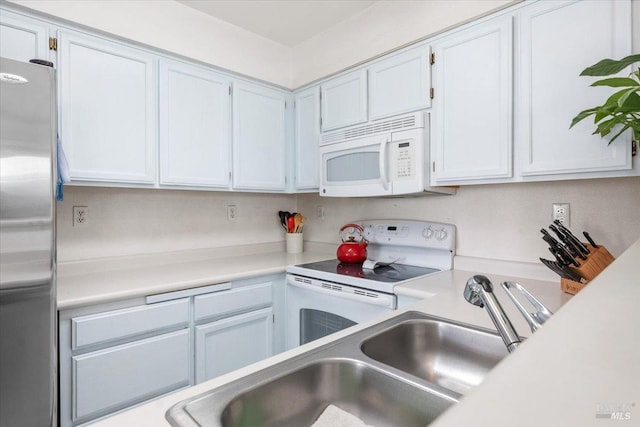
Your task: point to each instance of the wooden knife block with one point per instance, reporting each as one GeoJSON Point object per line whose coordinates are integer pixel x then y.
{"type": "Point", "coordinates": [597, 260]}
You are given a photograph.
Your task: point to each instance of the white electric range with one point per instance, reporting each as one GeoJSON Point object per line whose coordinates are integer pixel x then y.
{"type": "Point", "coordinates": [327, 296]}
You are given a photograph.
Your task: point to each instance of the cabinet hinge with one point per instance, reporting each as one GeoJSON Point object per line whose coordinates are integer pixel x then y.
{"type": "Point", "coordinates": [273, 318]}
{"type": "Point", "coordinates": [431, 93]}
{"type": "Point", "coordinates": [53, 43]}
{"type": "Point", "coordinates": [432, 59]}
{"type": "Point", "coordinates": [634, 148]}
{"type": "Point", "coordinates": [285, 105]}
{"type": "Point", "coordinates": [229, 90]}
{"type": "Point", "coordinates": [433, 166]}
{"type": "Point", "coordinates": [229, 176]}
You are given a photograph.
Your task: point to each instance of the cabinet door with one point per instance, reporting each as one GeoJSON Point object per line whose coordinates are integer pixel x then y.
{"type": "Point", "coordinates": [400, 84]}
{"type": "Point", "coordinates": [559, 40]}
{"type": "Point", "coordinates": [344, 100]}
{"type": "Point", "coordinates": [307, 113]}
{"type": "Point", "coordinates": [195, 122]}
{"type": "Point", "coordinates": [232, 343]}
{"type": "Point", "coordinates": [108, 112]}
{"type": "Point", "coordinates": [472, 130]}
{"type": "Point", "coordinates": [22, 39]}
{"type": "Point", "coordinates": [259, 141]}
{"type": "Point", "coordinates": [107, 380]}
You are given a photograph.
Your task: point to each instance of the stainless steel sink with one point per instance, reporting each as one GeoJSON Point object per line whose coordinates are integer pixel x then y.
{"type": "Point", "coordinates": [405, 371]}
{"type": "Point", "coordinates": [453, 356]}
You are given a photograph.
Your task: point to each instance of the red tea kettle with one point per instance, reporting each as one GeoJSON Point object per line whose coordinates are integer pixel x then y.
{"type": "Point", "coordinates": [354, 248]}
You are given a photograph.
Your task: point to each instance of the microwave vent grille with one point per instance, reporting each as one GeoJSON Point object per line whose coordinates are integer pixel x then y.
{"type": "Point", "coordinates": [400, 123]}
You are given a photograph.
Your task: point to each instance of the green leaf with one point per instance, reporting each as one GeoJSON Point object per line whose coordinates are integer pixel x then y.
{"type": "Point", "coordinates": [605, 127]}
{"type": "Point", "coordinates": [631, 104]}
{"type": "Point", "coordinates": [582, 115]}
{"type": "Point", "coordinates": [617, 82]}
{"type": "Point", "coordinates": [618, 134]}
{"type": "Point", "coordinates": [606, 67]}
{"type": "Point", "coordinates": [625, 96]}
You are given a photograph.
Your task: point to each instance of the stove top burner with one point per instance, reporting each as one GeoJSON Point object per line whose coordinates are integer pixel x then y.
{"type": "Point", "coordinates": [388, 274]}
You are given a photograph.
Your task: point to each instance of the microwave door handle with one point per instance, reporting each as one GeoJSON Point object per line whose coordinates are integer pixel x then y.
{"type": "Point", "coordinates": [382, 163]}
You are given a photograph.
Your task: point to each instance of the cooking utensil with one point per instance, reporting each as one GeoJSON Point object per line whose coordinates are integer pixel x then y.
{"type": "Point", "coordinates": [298, 221]}
{"type": "Point", "coordinates": [352, 250]}
{"type": "Point", "coordinates": [583, 248]}
{"type": "Point", "coordinates": [558, 247]}
{"type": "Point", "coordinates": [291, 224]}
{"type": "Point", "coordinates": [570, 244]}
{"type": "Point", "coordinates": [562, 271]}
{"type": "Point", "coordinates": [589, 239]}
{"type": "Point", "coordinates": [283, 219]}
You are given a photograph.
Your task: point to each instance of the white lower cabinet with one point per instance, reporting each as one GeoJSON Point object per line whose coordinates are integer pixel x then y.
{"type": "Point", "coordinates": [117, 377]}
{"type": "Point", "coordinates": [233, 329]}
{"type": "Point", "coordinates": [232, 343]}
{"type": "Point", "coordinates": [113, 357]}
{"type": "Point", "coordinates": [117, 355]}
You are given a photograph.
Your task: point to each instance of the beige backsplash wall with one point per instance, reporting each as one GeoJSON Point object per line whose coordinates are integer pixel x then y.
{"type": "Point", "coordinates": [499, 221]}
{"type": "Point", "coordinates": [125, 221]}
{"type": "Point", "coordinates": [494, 221]}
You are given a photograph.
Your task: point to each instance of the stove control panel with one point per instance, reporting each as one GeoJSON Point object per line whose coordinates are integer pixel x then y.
{"type": "Point", "coordinates": [420, 234]}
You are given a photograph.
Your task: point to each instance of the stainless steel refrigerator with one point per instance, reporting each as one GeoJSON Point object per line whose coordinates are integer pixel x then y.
{"type": "Point", "coordinates": [28, 338]}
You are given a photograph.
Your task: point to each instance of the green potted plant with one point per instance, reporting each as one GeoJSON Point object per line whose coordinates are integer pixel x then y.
{"type": "Point", "coordinates": [621, 111]}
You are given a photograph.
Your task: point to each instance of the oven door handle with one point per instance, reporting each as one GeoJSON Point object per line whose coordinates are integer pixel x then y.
{"type": "Point", "coordinates": [383, 300]}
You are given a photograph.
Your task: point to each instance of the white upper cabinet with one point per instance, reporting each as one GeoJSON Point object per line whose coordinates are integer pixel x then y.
{"type": "Point", "coordinates": [558, 41]}
{"type": "Point", "coordinates": [307, 137]}
{"type": "Point", "coordinates": [108, 109]}
{"type": "Point", "coordinates": [400, 83]}
{"type": "Point", "coordinates": [22, 38]}
{"type": "Point", "coordinates": [472, 114]}
{"type": "Point", "coordinates": [259, 137]}
{"type": "Point", "coordinates": [344, 100]}
{"type": "Point", "coordinates": [195, 126]}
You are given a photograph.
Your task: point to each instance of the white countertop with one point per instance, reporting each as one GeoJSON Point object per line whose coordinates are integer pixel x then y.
{"type": "Point", "coordinates": [584, 359]}
{"type": "Point", "coordinates": [98, 281]}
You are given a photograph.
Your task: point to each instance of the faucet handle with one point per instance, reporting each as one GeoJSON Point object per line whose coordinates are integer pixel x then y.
{"type": "Point", "coordinates": [535, 319]}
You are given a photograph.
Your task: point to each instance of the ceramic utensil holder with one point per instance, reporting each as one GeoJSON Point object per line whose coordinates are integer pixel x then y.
{"type": "Point", "coordinates": [293, 243]}
{"type": "Point", "coordinates": [597, 260]}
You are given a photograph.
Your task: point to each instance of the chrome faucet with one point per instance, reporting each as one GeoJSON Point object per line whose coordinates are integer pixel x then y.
{"type": "Point", "coordinates": [479, 291]}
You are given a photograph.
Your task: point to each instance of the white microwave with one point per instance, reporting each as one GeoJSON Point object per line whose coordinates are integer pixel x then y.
{"type": "Point", "coordinates": [385, 158]}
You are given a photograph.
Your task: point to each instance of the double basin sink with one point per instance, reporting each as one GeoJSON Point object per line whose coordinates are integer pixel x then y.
{"type": "Point", "coordinates": [405, 371]}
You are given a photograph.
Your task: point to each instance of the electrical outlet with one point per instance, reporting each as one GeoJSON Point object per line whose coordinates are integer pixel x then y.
{"type": "Point", "coordinates": [80, 216]}
{"type": "Point", "coordinates": [320, 212]}
{"type": "Point", "coordinates": [562, 212]}
{"type": "Point", "coordinates": [232, 213]}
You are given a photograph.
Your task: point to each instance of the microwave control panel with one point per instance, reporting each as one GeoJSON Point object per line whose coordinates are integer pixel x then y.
{"type": "Point", "coordinates": [403, 160]}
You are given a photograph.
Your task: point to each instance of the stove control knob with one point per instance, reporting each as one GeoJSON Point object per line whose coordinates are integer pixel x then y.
{"type": "Point", "coordinates": [369, 233]}
{"type": "Point", "coordinates": [427, 233]}
{"type": "Point", "coordinates": [441, 234]}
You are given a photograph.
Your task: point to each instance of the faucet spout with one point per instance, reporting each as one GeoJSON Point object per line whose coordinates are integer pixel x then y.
{"type": "Point", "coordinates": [479, 292]}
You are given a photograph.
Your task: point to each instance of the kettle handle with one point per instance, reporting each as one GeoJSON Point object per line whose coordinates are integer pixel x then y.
{"type": "Point", "coordinates": [358, 227]}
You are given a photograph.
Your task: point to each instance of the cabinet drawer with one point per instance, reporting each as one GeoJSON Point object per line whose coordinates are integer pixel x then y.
{"type": "Point", "coordinates": [223, 304]}
{"type": "Point", "coordinates": [128, 322]}
{"type": "Point", "coordinates": [108, 380]}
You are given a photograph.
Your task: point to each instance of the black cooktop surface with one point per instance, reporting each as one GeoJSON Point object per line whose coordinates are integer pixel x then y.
{"type": "Point", "coordinates": [390, 274]}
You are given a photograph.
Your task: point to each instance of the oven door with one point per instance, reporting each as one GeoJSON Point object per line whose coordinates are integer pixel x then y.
{"type": "Point", "coordinates": [317, 308]}
{"type": "Point", "coordinates": [355, 168]}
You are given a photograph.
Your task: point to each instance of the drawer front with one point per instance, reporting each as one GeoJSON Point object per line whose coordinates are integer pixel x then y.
{"type": "Point", "coordinates": [234, 301]}
{"type": "Point", "coordinates": [108, 380]}
{"type": "Point", "coordinates": [129, 322]}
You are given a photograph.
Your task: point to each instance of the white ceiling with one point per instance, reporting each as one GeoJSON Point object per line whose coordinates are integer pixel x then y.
{"type": "Point", "coordinates": [287, 22]}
